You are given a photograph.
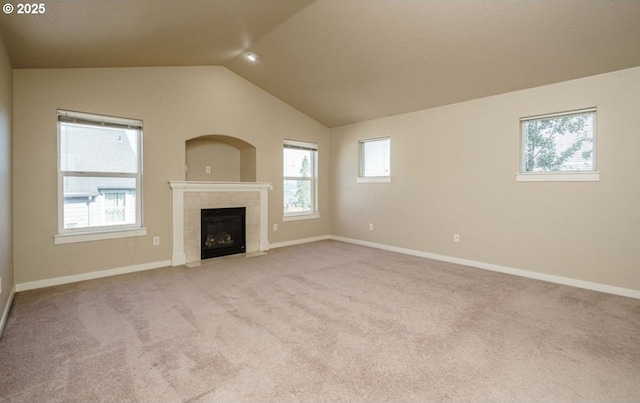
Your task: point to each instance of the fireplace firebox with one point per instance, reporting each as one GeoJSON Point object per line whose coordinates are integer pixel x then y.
{"type": "Point", "coordinates": [222, 232]}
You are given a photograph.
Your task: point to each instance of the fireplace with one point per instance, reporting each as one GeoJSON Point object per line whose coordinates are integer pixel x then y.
{"type": "Point", "coordinates": [222, 232]}
{"type": "Point", "coordinates": [189, 198]}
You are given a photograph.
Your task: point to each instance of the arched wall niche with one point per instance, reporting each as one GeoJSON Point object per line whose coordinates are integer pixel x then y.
{"type": "Point", "coordinates": [229, 159]}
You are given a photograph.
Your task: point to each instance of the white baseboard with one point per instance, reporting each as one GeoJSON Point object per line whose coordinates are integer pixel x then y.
{"type": "Point", "coordinates": [609, 289]}
{"type": "Point", "coordinates": [32, 285]}
{"type": "Point", "coordinates": [5, 312]}
{"type": "Point", "coordinates": [298, 241]}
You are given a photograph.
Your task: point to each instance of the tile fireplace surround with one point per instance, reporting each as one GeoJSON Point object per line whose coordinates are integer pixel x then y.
{"type": "Point", "coordinates": [190, 197]}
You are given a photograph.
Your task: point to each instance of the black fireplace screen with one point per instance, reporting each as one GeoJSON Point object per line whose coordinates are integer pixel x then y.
{"type": "Point", "coordinates": [222, 232]}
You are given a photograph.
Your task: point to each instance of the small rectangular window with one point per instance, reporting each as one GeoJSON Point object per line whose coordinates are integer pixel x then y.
{"type": "Point", "coordinates": [300, 184]}
{"type": "Point", "coordinates": [375, 159]}
{"type": "Point", "coordinates": [562, 142]}
{"type": "Point", "coordinates": [100, 173]}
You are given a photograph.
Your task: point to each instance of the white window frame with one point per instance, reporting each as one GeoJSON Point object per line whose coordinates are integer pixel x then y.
{"type": "Point", "coordinates": [558, 176]}
{"type": "Point", "coordinates": [72, 235]}
{"type": "Point", "coordinates": [313, 178]}
{"type": "Point", "coordinates": [361, 178]}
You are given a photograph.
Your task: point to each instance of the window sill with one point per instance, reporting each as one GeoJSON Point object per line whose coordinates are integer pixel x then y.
{"type": "Point", "coordinates": [98, 236]}
{"type": "Point", "coordinates": [591, 176]}
{"type": "Point", "coordinates": [373, 179]}
{"type": "Point", "coordinates": [296, 217]}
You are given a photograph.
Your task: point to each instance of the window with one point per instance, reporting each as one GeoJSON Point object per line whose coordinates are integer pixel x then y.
{"type": "Point", "coordinates": [100, 175]}
{"type": "Point", "coordinates": [559, 146]}
{"type": "Point", "coordinates": [375, 160]}
{"type": "Point", "coordinates": [114, 207]}
{"type": "Point", "coordinates": [300, 185]}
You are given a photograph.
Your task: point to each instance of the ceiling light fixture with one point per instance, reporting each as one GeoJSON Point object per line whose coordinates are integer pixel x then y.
{"type": "Point", "coordinates": [252, 57]}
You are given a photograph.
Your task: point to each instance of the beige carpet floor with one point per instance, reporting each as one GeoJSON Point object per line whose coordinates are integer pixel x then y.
{"type": "Point", "coordinates": [326, 321]}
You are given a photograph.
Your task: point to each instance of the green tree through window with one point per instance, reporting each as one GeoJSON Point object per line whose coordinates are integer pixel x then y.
{"type": "Point", "coordinates": [303, 192]}
{"type": "Point", "coordinates": [561, 143]}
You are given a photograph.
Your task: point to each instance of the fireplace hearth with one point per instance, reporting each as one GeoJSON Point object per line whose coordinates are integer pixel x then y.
{"type": "Point", "coordinates": [222, 231]}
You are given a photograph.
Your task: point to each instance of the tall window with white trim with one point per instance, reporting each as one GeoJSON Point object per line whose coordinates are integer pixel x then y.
{"type": "Point", "coordinates": [99, 173]}
{"type": "Point", "coordinates": [300, 179]}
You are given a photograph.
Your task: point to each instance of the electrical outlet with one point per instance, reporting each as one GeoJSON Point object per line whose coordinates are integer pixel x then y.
{"type": "Point", "coordinates": [156, 240]}
{"type": "Point", "coordinates": [370, 226]}
{"type": "Point", "coordinates": [275, 227]}
{"type": "Point", "coordinates": [456, 238]}
{"type": "Point", "coordinates": [207, 169]}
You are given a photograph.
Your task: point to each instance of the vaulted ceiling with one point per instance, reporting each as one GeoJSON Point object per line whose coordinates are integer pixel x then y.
{"type": "Point", "coordinates": [342, 61]}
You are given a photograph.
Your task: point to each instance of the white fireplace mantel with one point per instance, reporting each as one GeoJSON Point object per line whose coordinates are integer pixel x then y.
{"type": "Point", "coordinates": [179, 188]}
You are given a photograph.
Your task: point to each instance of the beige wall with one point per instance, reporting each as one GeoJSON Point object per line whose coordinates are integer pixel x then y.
{"type": "Point", "coordinates": [176, 104]}
{"type": "Point", "coordinates": [6, 255]}
{"type": "Point", "coordinates": [223, 160]}
{"type": "Point", "coordinates": [453, 172]}
{"type": "Point", "coordinates": [248, 165]}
